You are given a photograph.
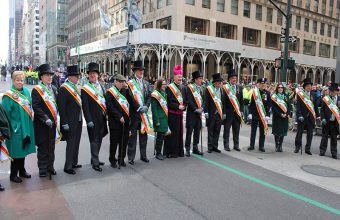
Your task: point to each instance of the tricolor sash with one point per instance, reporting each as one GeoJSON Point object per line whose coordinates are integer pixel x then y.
{"type": "Point", "coordinates": [197, 96]}
{"type": "Point", "coordinates": [47, 97]}
{"type": "Point", "coordinates": [306, 100]}
{"type": "Point", "coordinates": [332, 106]}
{"type": "Point", "coordinates": [217, 100]}
{"type": "Point", "coordinates": [95, 95]}
{"type": "Point", "coordinates": [4, 155]}
{"type": "Point", "coordinates": [20, 99]}
{"type": "Point", "coordinates": [260, 108]}
{"type": "Point", "coordinates": [161, 100]}
{"type": "Point", "coordinates": [233, 99]}
{"type": "Point", "coordinates": [138, 97]}
{"type": "Point", "coordinates": [280, 102]}
{"type": "Point", "coordinates": [73, 91]}
{"type": "Point", "coordinates": [120, 99]}
{"type": "Point", "coordinates": [177, 93]}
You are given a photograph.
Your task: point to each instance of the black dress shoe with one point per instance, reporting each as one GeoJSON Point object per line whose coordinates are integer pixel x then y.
{"type": "Point", "coordinates": [251, 148]}
{"type": "Point", "coordinates": [262, 150]}
{"type": "Point", "coordinates": [122, 163]}
{"type": "Point", "coordinates": [114, 165]}
{"type": "Point", "coordinates": [216, 150]}
{"type": "Point", "coordinates": [296, 151]}
{"type": "Point", "coordinates": [25, 175]}
{"type": "Point", "coordinates": [2, 188]}
{"type": "Point", "coordinates": [15, 179]}
{"type": "Point", "coordinates": [210, 151]}
{"type": "Point", "coordinates": [197, 152]}
{"type": "Point", "coordinates": [237, 149]}
{"type": "Point", "coordinates": [334, 156]}
{"type": "Point", "coordinates": [144, 159]}
{"type": "Point", "coordinates": [159, 157]}
{"type": "Point", "coordinates": [77, 166]}
{"type": "Point", "coordinates": [97, 168]}
{"type": "Point", "coordinates": [71, 171]}
{"type": "Point", "coordinates": [308, 152]}
{"type": "Point", "coordinates": [101, 163]}
{"type": "Point", "coordinates": [322, 154]}
{"type": "Point", "coordinates": [227, 149]}
{"type": "Point", "coordinates": [52, 171]}
{"type": "Point", "coordinates": [42, 173]}
{"type": "Point", "coordinates": [131, 162]}
{"type": "Point", "coordinates": [186, 154]}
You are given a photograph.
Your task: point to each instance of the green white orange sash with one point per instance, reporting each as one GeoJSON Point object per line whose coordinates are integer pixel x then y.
{"type": "Point", "coordinates": [120, 99]}
{"type": "Point", "coordinates": [233, 99]}
{"type": "Point", "coordinates": [280, 102]}
{"type": "Point", "coordinates": [217, 100]}
{"type": "Point", "coordinates": [161, 100]}
{"type": "Point", "coordinates": [51, 105]}
{"type": "Point", "coordinates": [95, 94]}
{"type": "Point", "coordinates": [138, 97]}
{"type": "Point", "coordinates": [177, 93]}
{"type": "Point", "coordinates": [260, 107]}
{"type": "Point", "coordinates": [4, 155]}
{"type": "Point", "coordinates": [332, 106]}
{"type": "Point", "coordinates": [306, 100]}
{"type": "Point", "coordinates": [73, 91]}
{"type": "Point", "coordinates": [197, 96]}
{"type": "Point", "coordinates": [21, 99]}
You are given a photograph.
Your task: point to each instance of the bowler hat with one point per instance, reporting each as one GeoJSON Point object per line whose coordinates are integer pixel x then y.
{"type": "Point", "coordinates": [231, 73]}
{"type": "Point", "coordinates": [120, 77]}
{"type": "Point", "coordinates": [93, 67]}
{"type": "Point", "coordinates": [44, 69]}
{"type": "Point", "coordinates": [217, 78]}
{"type": "Point", "coordinates": [262, 80]}
{"type": "Point", "coordinates": [72, 70]}
{"type": "Point", "coordinates": [306, 82]}
{"type": "Point", "coordinates": [138, 65]}
{"type": "Point", "coordinates": [334, 87]}
{"type": "Point", "coordinates": [196, 74]}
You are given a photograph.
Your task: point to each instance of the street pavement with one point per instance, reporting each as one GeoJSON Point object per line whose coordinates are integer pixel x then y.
{"type": "Point", "coordinates": [230, 185]}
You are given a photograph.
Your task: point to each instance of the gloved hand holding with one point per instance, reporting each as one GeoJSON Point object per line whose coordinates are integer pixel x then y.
{"type": "Point", "coordinates": [90, 124]}
{"type": "Point", "coordinates": [250, 116]}
{"type": "Point", "coordinates": [199, 111]}
{"type": "Point", "coordinates": [206, 115]}
{"type": "Point", "coordinates": [301, 119]}
{"type": "Point", "coordinates": [122, 120]}
{"type": "Point", "coordinates": [66, 127]}
{"type": "Point", "coordinates": [267, 118]}
{"type": "Point", "coordinates": [158, 124]}
{"type": "Point", "coordinates": [144, 109]}
{"type": "Point", "coordinates": [224, 116]}
{"type": "Point", "coordinates": [181, 107]}
{"type": "Point", "coordinates": [49, 123]}
{"type": "Point", "coordinates": [324, 122]}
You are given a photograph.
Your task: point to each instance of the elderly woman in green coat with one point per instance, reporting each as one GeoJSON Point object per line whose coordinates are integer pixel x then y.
{"type": "Point", "coordinates": [160, 116]}
{"type": "Point", "coordinates": [281, 109]}
{"type": "Point", "coordinates": [17, 105]}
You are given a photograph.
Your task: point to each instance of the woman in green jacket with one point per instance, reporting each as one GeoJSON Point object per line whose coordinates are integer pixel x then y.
{"type": "Point", "coordinates": [160, 116]}
{"type": "Point", "coordinates": [18, 107]}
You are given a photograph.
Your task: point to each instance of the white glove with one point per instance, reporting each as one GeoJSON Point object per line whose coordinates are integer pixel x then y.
{"type": "Point", "coordinates": [90, 124]}
{"type": "Point", "coordinates": [206, 115]}
{"type": "Point", "coordinates": [224, 116]}
{"type": "Point", "coordinates": [66, 127]}
{"type": "Point", "coordinates": [267, 118]}
{"type": "Point", "coordinates": [250, 116]}
{"type": "Point", "coordinates": [324, 122]}
{"type": "Point", "coordinates": [301, 119]}
{"type": "Point", "coordinates": [122, 120]}
{"type": "Point", "coordinates": [49, 123]}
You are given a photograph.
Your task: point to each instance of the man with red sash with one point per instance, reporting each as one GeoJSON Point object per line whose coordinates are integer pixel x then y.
{"type": "Point", "coordinates": [45, 120]}
{"type": "Point", "coordinates": [330, 116]}
{"type": "Point", "coordinates": [194, 102]}
{"type": "Point", "coordinates": [259, 113]}
{"type": "Point", "coordinates": [306, 115]}
{"type": "Point", "coordinates": [94, 109]}
{"type": "Point", "coordinates": [139, 97]}
{"type": "Point", "coordinates": [214, 107]}
{"type": "Point", "coordinates": [175, 115]}
{"type": "Point", "coordinates": [119, 120]}
{"type": "Point", "coordinates": [71, 122]}
{"type": "Point", "coordinates": [234, 110]}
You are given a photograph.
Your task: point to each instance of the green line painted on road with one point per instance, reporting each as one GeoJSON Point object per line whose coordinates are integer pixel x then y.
{"type": "Point", "coordinates": [269, 185]}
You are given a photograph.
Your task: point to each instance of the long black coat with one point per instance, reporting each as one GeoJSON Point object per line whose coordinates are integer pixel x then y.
{"type": "Point", "coordinates": [191, 106]}
{"type": "Point", "coordinates": [115, 111]}
{"type": "Point", "coordinates": [280, 125]}
{"type": "Point", "coordinates": [326, 113]}
{"type": "Point", "coordinates": [229, 108]}
{"type": "Point", "coordinates": [209, 104]}
{"type": "Point", "coordinates": [69, 111]}
{"type": "Point", "coordinates": [303, 111]}
{"type": "Point", "coordinates": [41, 115]}
{"type": "Point", "coordinates": [265, 96]}
{"type": "Point", "coordinates": [94, 113]}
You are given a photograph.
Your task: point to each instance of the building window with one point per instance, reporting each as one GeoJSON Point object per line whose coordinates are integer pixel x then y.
{"type": "Point", "coordinates": [259, 12]}
{"type": "Point", "coordinates": [306, 28]}
{"type": "Point", "coordinates": [220, 5]}
{"type": "Point", "coordinates": [206, 4]}
{"type": "Point", "coordinates": [334, 51]}
{"type": "Point", "coordinates": [309, 47]}
{"type": "Point", "coordinates": [148, 25]}
{"type": "Point", "coordinates": [164, 23]}
{"type": "Point", "coordinates": [323, 8]}
{"type": "Point", "coordinates": [272, 40]}
{"type": "Point", "coordinates": [324, 50]}
{"type": "Point", "coordinates": [168, 2]}
{"type": "Point", "coordinates": [269, 15]}
{"type": "Point", "coordinates": [252, 37]}
{"type": "Point", "coordinates": [299, 3]}
{"type": "Point", "coordinates": [294, 47]}
{"type": "Point", "coordinates": [190, 2]}
{"type": "Point", "coordinates": [279, 18]}
{"type": "Point", "coordinates": [145, 2]}
{"type": "Point", "coordinates": [307, 5]}
{"type": "Point", "coordinates": [336, 32]}
{"type": "Point", "coordinates": [159, 4]}
{"type": "Point", "coordinates": [322, 29]}
{"type": "Point", "coordinates": [246, 9]}
{"type": "Point", "coordinates": [331, 5]}
{"type": "Point", "coordinates": [315, 27]}
{"type": "Point", "coordinates": [298, 22]}
{"type": "Point", "coordinates": [316, 5]}
{"type": "Point", "coordinates": [196, 26]}
{"type": "Point", "coordinates": [234, 7]}
{"type": "Point", "coordinates": [329, 31]}
{"type": "Point", "coordinates": [226, 30]}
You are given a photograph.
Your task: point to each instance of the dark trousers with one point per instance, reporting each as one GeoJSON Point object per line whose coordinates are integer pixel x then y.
{"type": "Point", "coordinates": [95, 145]}
{"type": "Point", "coordinates": [330, 129]}
{"type": "Point", "coordinates": [214, 127]}
{"type": "Point", "coordinates": [72, 147]}
{"type": "Point", "coordinates": [196, 128]}
{"type": "Point", "coordinates": [118, 136]}
{"type": "Point", "coordinates": [160, 140]}
{"type": "Point", "coordinates": [132, 144]}
{"type": "Point", "coordinates": [254, 124]}
{"type": "Point", "coordinates": [233, 122]}
{"type": "Point", "coordinates": [298, 138]}
{"type": "Point", "coordinates": [45, 154]}
{"type": "Point", "coordinates": [17, 165]}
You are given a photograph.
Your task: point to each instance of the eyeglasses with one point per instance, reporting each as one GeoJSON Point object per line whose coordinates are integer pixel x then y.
{"type": "Point", "coordinates": [280, 87]}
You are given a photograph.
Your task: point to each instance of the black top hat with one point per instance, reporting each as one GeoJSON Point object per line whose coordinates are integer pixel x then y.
{"type": "Point", "coordinates": [231, 73]}
{"type": "Point", "coordinates": [196, 74]}
{"type": "Point", "coordinates": [306, 82]}
{"type": "Point", "coordinates": [72, 70]}
{"type": "Point", "coordinates": [262, 80]}
{"type": "Point", "coordinates": [217, 78]}
{"type": "Point", "coordinates": [93, 67]}
{"type": "Point", "coordinates": [138, 65]}
{"type": "Point", "coordinates": [44, 69]}
{"type": "Point", "coordinates": [334, 87]}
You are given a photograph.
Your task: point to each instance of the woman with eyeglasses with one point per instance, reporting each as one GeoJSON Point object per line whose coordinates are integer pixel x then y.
{"type": "Point", "coordinates": [281, 109]}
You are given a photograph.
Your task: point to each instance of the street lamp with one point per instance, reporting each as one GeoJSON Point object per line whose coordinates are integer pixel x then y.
{"type": "Point", "coordinates": [79, 31]}
{"type": "Point", "coordinates": [128, 53]}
